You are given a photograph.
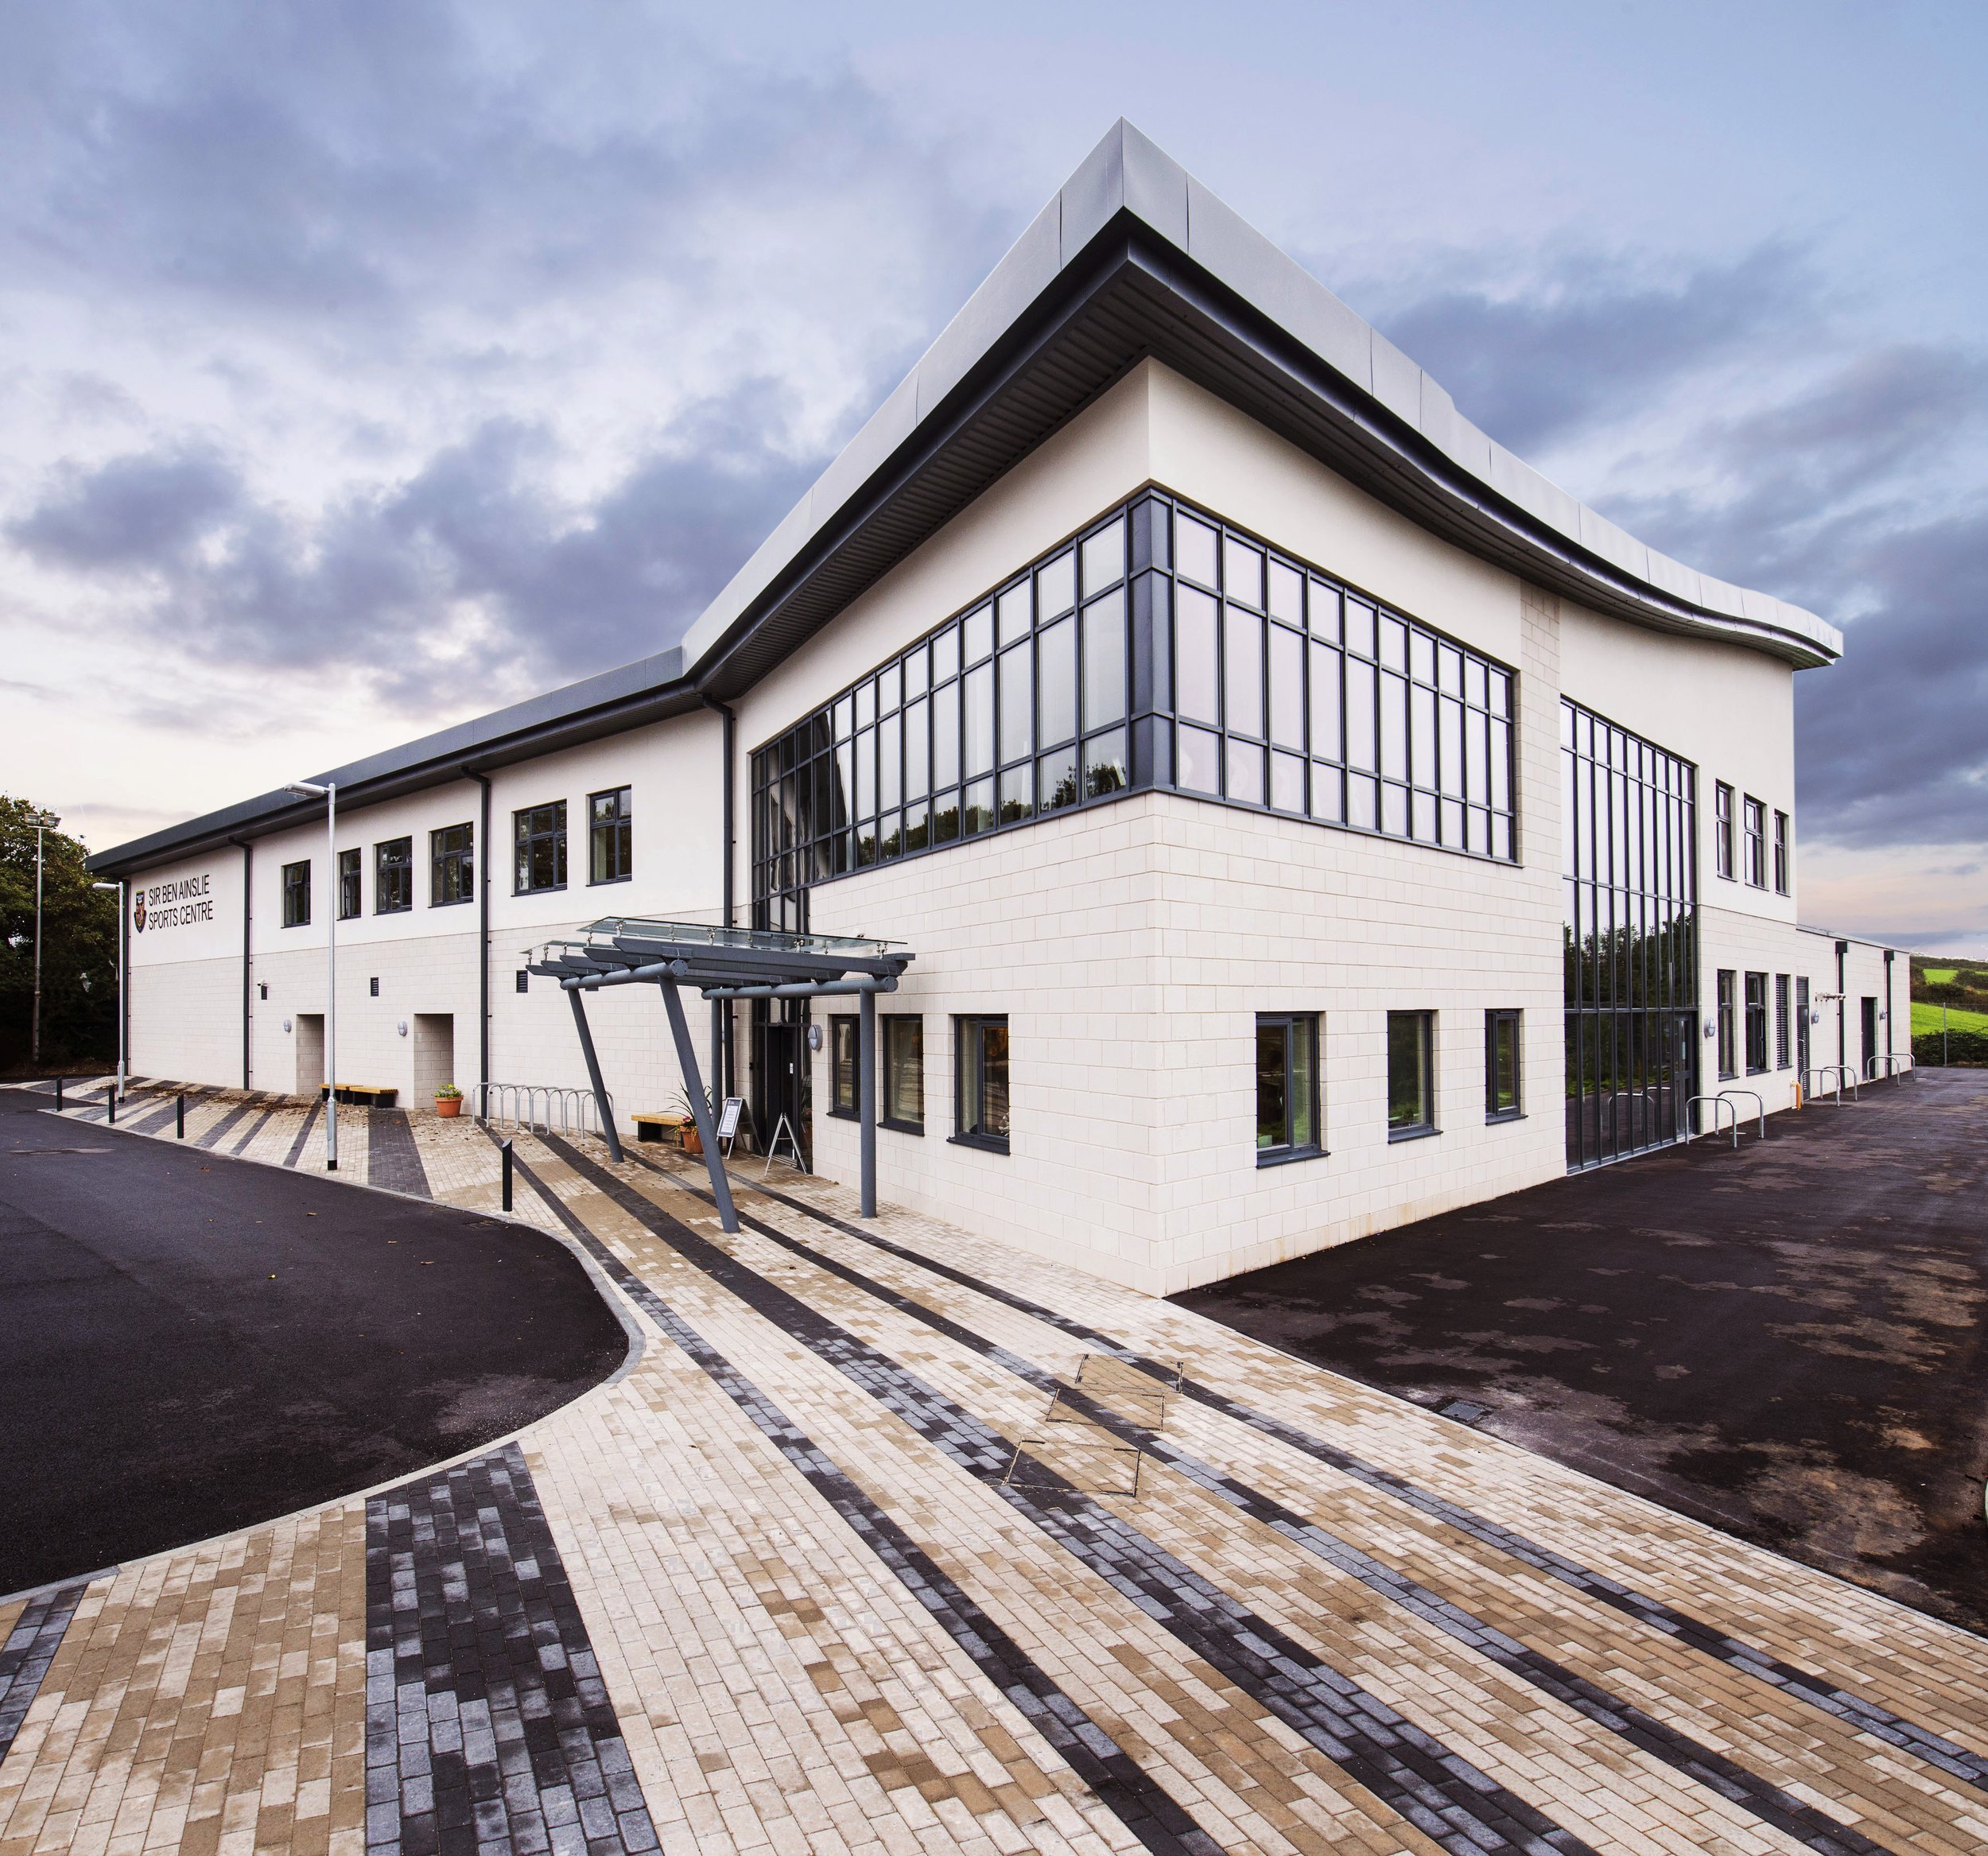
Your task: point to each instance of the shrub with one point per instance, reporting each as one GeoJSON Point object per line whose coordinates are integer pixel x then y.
{"type": "Point", "coordinates": [1968, 1047]}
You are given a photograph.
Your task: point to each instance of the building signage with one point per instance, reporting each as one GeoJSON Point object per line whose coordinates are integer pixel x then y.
{"type": "Point", "coordinates": [174, 905]}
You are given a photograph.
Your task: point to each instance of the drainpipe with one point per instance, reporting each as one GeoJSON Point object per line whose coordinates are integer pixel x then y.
{"type": "Point", "coordinates": [1890, 955]}
{"type": "Point", "coordinates": [1843, 1005]}
{"type": "Point", "coordinates": [483, 942]}
{"type": "Point", "coordinates": [248, 873]}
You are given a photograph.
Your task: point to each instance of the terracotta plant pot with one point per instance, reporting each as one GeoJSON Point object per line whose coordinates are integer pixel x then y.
{"type": "Point", "coordinates": [692, 1141]}
{"type": "Point", "coordinates": [447, 1105]}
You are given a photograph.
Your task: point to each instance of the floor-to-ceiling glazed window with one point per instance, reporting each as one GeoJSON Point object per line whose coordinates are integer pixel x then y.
{"type": "Point", "coordinates": [1628, 826]}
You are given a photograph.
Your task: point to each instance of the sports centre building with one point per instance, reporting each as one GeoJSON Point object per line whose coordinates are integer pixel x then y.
{"type": "Point", "coordinates": [1234, 805]}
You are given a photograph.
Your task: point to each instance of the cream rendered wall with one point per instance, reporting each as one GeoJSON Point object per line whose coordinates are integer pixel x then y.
{"type": "Point", "coordinates": [184, 973]}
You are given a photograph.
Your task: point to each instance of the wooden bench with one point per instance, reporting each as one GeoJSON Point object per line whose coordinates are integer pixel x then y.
{"type": "Point", "coordinates": [362, 1095]}
{"type": "Point", "coordinates": [656, 1127]}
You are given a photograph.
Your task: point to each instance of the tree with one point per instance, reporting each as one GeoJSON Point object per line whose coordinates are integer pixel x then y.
{"type": "Point", "coordinates": [79, 950]}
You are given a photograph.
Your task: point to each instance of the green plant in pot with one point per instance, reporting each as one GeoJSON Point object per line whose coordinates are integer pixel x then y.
{"type": "Point", "coordinates": [448, 1099]}
{"type": "Point", "coordinates": [692, 1141]}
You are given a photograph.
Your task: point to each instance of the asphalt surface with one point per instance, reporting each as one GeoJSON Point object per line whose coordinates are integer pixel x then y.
{"type": "Point", "coordinates": [190, 1343]}
{"type": "Point", "coordinates": [1790, 1342]}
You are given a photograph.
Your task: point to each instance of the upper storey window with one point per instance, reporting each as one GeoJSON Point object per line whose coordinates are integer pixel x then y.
{"type": "Point", "coordinates": [1157, 647]}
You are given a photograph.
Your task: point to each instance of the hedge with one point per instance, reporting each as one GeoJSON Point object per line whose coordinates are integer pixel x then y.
{"type": "Point", "coordinates": [1970, 1047]}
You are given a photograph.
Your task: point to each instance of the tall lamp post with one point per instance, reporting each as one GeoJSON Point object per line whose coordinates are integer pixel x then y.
{"type": "Point", "coordinates": [45, 821]}
{"type": "Point", "coordinates": [118, 886]}
{"type": "Point", "coordinates": [328, 792]}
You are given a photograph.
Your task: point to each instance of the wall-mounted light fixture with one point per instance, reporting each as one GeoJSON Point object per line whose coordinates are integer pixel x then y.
{"type": "Point", "coordinates": [403, 1027]}
{"type": "Point", "coordinates": [286, 1024]}
{"type": "Point", "coordinates": [1711, 1028]}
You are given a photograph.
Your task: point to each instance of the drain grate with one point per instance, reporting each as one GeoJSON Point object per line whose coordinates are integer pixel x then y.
{"type": "Point", "coordinates": [1466, 1411]}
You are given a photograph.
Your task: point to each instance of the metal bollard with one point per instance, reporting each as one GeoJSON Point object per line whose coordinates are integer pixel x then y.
{"type": "Point", "coordinates": [58, 1095]}
{"type": "Point", "coordinates": [179, 1119]}
{"type": "Point", "coordinates": [504, 1149]}
{"type": "Point", "coordinates": [111, 1109]}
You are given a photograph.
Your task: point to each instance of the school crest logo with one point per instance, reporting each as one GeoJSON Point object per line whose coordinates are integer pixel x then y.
{"type": "Point", "coordinates": [138, 913]}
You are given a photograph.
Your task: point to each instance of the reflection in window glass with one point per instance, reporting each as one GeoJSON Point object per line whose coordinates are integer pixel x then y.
{"type": "Point", "coordinates": [1287, 1118]}
{"type": "Point", "coordinates": [981, 1066]}
{"type": "Point", "coordinates": [1501, 1065]}
{"type": "Point", "coordinates": [1103, 661]}
{"type": "Point", "coordinates": [1246, 772]}
{"type": "Point", "coordinates": [1200, 760]}
{"type": "Point", "coordinates": [1410, 1105]}
{"type": "Point", "coordinates": [844, 1044]}
{"type": "Point", "coordinates": [903, 1041]}
{"type": "Point", "coordinates": [1056, 779]}
{"type": "Point", "coordinates": [1106, 768]}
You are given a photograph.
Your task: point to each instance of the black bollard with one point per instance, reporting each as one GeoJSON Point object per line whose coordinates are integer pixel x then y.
{"type": "Point", "coordinates": [179, 1119]}
{"type": "Point", "coordinates": [504, 1149]}
{"type": "Point", "coordinates": [111, 1109]}
{"type": "Point", "coordinates": [58, 1095]}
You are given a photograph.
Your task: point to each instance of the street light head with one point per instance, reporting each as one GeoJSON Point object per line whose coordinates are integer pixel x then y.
{"type": "Point", "coordinates": [107, 886]}
{"type": "Point", "coordinates": [305, 789]}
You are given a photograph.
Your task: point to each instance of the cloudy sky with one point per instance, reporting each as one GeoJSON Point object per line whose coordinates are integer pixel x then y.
{"type": "Point", "coordinates": [366, 363]}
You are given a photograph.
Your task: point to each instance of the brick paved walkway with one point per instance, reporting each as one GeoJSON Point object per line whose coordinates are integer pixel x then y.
{"type": "Point", "coordinates": [894, 1540]}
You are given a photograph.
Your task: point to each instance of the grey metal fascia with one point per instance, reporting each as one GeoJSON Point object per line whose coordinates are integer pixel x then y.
{"type": "Point", "coordinates": [1129, 174]}
{"type": "Point", "coordinates": [650, 689]}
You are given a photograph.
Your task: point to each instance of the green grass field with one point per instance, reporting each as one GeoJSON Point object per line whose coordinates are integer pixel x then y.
{"type": "Point", "coordinates": [1926, 1018]}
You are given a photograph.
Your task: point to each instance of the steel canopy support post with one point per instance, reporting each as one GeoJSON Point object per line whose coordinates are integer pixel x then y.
{"type": "Point", "coordinates": [700, 1105]}
{"type": "Point", "coordinates": [718, 1009]}
{"type": "Point", "coordinates": [866, 1096]}
{"type": "Point", "coordinates": [593, 1076]}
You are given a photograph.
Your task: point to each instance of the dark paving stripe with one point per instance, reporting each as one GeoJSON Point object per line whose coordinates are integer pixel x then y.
{"type": "Point", "coordinates": [29, 1649]}
{"type": "Point", "coordinates": [262, 1121]}
{"type": "Point", "coordinates": [487, 1724]}
{"type": "Point", "coordinates": [1433, 1788]}
{"type": "Point", "coordinates": [303, 1134]}
{"type": "Point", "coordinates": [392, 1159]}
{"type": "Point", "coordinates": [1819, 1692]}
{"type": "Point", "coordinates": [1118, 1782]}
{"type": "Point", "coordinates": [233, 1119]}
{"type": "Point", "coordinates": [1708, 1767]}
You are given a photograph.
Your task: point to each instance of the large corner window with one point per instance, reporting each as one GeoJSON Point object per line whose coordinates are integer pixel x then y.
{"type": "Point", "coordinates": [452, 865]}
{"type": "Point", "coordinates": [540, 837]}
{"type": "Point", "coordinates": [1780, 853]}
{"type": "Point", "coordinates": [903, 1040]}
{"type": "Point", "coordinates": [1501, 1101]}
{"type": "Point", "coordinates": [1412, 1108]}
{"type": "Point", "coordinates": [1754, 818]}
{"type": "Point", "coordinates": [1287, 1108]}
{"type": "Point", "coordinates": [980, 1068]}
{"type": "Point", "coordinates": [843, 1043]}
{"type": "Point", "coordinates": [1722, 829]}
{"type": "Point", "coordinates": [1756, 1023]}
{"type": "Point", "coordinates": [1629, 863]}
{"type": "Point", "coordinates": [348, 882]}
{"type": "Point", "coordinates": [610, 844]}
{"type": "Point", "coordinates": [393, 876]}
{"type": "Point", "coordinates": [1728, 1012]}
{"type": "Point", "coordinates": [296, 894]}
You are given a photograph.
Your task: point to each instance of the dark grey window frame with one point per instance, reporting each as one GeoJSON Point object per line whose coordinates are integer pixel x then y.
{"type": "Point", "coordinates": [1298, 1025]}
{"type": "Point", "coordinates": [1753, 998]}
{"type": "Point", "coordinates": [1723, 828]}
{"type": "Point", "coordinates": [883, 770]}
{"type": "Point", "coordinates": [1725, 1015]}
{"type": "Point", "coordinates": [296, 889]}
{"type": "Point", "coordinates": [888, 1026]}
{"type": "Point", "coordinates": [1781, 857]}
{"type": "Point", "coordinates": [1783, 1056]}
{"type": "Point", "coordinates": [615, 830]}
{"type": "Point", "coordinates": [351, 899]}
{"type": "Point", "coordinates": [1497, 1018]}
{"type": "Point", "coordinates": [1427, 1126]}
{"type": "Point", "coordinates": [962, 1135]}
{"type": "Point", "coordinates": [1753, 840]}
{"type": "Point", "coordinates": [394, 876]}
{"type": "Point", "coordinates": [845, 1046]}
{"type": "Point", "coordinates": [452, 865]}
{"type": "Point", "coordinates": [525, 838]}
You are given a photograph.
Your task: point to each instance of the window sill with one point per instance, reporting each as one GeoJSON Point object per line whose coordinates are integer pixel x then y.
{"type": "Point", "coordinates": [989, 1143]}
{"type": "Point", "coordinates": [457, 901]}
{"type": "Point", "coordinates": [916, 1128]}
{"type": "Point", "coordinates": [550, 889]}
{"type": "Point", "coordinates": [1491, 1119]}
{"type": "Point", "coordinates": [844, 1115]}
{"type": "Point", "coordinates": [408, 910]}
{"type": "Point", "coordinates": [1396, 1134]}
{"type": "Point", "coordinates": [609, 882]}
{"type": "Point", "coordinates": [1288, 1156]}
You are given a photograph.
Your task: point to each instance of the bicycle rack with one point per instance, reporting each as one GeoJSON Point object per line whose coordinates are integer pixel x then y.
{"type": "Point", "coordinates": [1758, 1103]}
{"type": "Point", "coordinates": [1895, 1060]}
{"type": "Point", "coordinates": [1843, 1073]}
{"type": "Point", "coordinates": [545, 1108]}
{"type": "Point", "coordinates": [1718, 1102]}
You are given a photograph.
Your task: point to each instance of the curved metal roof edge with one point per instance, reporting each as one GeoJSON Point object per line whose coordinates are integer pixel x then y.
{"type": "Point", "coordinates": [1127, 172]}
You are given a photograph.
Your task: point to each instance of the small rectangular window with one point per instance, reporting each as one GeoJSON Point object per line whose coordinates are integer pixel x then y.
{"type": "Point", "coordinates": [1728, 1025]}
{"type": "Point", "coordinates": [1781, 1056]}
{"type": "Point", "coordinates": [981, 1064]}
{"type": "Point", "coordinates": [1502, 1099]}
{"type": "Point", "coordinates": [452, 865]}
{"type": "Point", "coordinates": [540, 837]}
{"type": "Point", "coordinates": [904, 1040]}
{"type": "Point", "coordinates": [1411, 1080]}
{"type": "Point", "coordinates": [1756, 1023]}
{"type": "Point", "coordinates": [1722, 829]}
{"type": "Point", "coordinates": [610, 836]}
{"type": "Point", "coordinates": [393, 876]}
{"type": "Point", "coordinates": [1780, 853]}
{"type": "Point", "coordinates": [348, 898]}
{"type": "Point", "coordinates": [1287, 1119]}
{"type": "Point", "coordinates": [1755, 816]}
{"type": "Point", "coordinates": [296, 894]}
{"type": "Point", "coordinates": [843, 1041]}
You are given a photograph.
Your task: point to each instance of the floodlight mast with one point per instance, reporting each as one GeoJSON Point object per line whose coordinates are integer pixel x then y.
{"type": "Point", "coordinates": [328, 792]}
{"type": "Point", "coordinates": [118, 886]}
{"type": "Point", "coordinates": [45, 821]}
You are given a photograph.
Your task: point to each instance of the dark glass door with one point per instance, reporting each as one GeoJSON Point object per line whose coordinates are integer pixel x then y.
{"type": "Point", "coordinates": [1869, 1027]}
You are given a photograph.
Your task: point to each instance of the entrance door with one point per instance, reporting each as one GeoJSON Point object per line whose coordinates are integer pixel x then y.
{"type": "Point", "coordinates": [1801, 1029]}
{"type": "Point", "coordinates": [1869, 1027]}
{"type": "Point", "coordinates": [310, 1053]}
{"type": "Point", "coordinates": [782, 1084]}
